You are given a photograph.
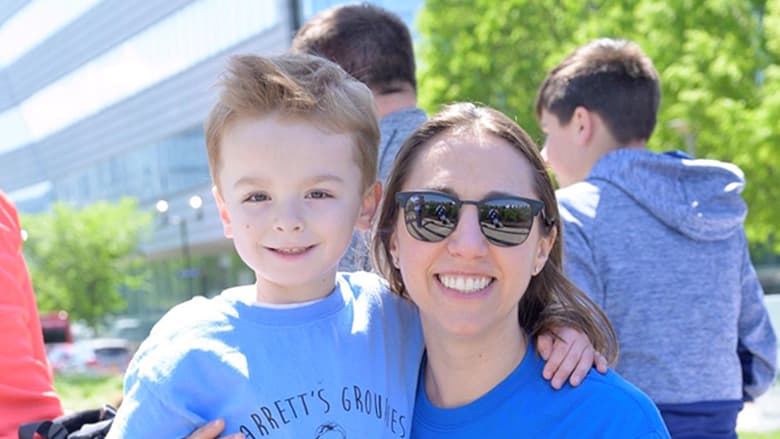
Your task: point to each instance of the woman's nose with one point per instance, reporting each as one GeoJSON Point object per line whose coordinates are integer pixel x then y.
{"type": "Point", "coordinates": [467, 239]}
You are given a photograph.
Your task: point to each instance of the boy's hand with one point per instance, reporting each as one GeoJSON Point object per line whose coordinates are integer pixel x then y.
{"type": "Point", "coordinates": [569, 355]}
{"type": "Point", "coordinates": [212, 431]}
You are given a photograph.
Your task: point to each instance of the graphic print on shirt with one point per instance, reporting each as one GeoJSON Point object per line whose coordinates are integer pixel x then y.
{"type": "Point", "coordinates": [330, 431]}
{"type": "Point", "coordinates": [280, 414]}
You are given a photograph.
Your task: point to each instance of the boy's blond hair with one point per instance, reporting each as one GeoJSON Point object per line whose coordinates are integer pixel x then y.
{"type": "Point", "coordinates": [300, 87]}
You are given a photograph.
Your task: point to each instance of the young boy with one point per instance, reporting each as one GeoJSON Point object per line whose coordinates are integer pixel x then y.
{"type": "Point", "coordinates": [292, 146]}
{"type": "Point", "coordinates": [292, 152]}
{"type": "Point", "coordinates": [657, 240]}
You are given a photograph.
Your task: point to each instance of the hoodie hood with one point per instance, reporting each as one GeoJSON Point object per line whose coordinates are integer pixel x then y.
{"type": "Point", "coordinates": [699, 198]}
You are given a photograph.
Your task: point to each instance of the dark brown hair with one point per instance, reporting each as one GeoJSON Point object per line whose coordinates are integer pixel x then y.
{"type": "Point", "coordinates": [301, 87]}
{"type": "Point", "coordinates": [612, 78]}
{"type": "Point", "coordinates": [370, 43]}
{"type": "Point", "coordinates": [550, 300]}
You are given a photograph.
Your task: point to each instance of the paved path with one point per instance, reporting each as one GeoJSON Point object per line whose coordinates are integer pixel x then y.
{"type": "Point", "coordinates": [764, 414]}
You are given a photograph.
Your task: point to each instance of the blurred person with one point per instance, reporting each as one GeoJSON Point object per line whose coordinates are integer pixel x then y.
{"type": "Point", "coordinates": [657, 240]}
{"type": "Point", "coordinates": [375, 47]}
{"type": "Point", "coordinates": [26, 383]}
{"type": "Point", "coordinates": [304, 349]}
{"type": "Point", "coordinates": [468, 230]}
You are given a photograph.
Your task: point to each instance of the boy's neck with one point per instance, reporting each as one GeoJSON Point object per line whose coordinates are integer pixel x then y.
{"type": "Point", "coordinates": [399, 97]}
{"type": "Point", "coordinates": [459, 371]}
{"type": "Point", "coordinates": [603, 143]}
{"type": "Point", "coordinates": [273, 293]}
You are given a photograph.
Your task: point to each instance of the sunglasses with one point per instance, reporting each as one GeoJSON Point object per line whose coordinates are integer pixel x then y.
{"type": "Point", "coordinates": [505, 221]}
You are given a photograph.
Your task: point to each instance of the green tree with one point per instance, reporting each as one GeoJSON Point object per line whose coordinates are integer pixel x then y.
{"type": "Point", "coordinates": [80, 258]}
{"type": "Point", "coordinates": [718, 62]}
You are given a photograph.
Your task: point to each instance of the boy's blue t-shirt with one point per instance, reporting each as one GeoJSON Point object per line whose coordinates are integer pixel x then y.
{"type": "Point", "coordinates": [346, 364]}
{"type": "Point", "coordinates": [524, 405]}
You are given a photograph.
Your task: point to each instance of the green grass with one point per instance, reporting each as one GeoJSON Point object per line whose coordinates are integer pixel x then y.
{"type": "Point", "coordinates": [773, 435]}
{"type": "Point", "coordinates": [80, 392]}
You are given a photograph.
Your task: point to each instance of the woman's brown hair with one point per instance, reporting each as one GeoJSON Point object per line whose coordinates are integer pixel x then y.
{"type": "Point", "coordinates": [551, 300]}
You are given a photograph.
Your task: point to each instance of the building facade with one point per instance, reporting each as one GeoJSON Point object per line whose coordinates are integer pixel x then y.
{"type": "Point", "coordinates": [101, 99]}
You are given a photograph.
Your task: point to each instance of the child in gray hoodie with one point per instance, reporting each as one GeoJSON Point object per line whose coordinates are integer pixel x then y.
{"type": "Point", "coordinates": [658, 240]}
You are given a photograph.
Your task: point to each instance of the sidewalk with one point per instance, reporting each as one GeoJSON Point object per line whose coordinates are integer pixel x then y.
{"type": "Point", "coordinates": [762, 415]}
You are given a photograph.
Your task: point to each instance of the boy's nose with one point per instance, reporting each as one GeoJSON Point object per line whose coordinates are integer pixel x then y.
{"type": "Point", "coordinates": [467, 240]}
{"type": "Point", "coordinates": [289, 218]}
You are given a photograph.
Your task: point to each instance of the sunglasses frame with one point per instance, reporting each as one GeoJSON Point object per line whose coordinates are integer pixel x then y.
{"type": "Point", "coordinates": [537, 207]}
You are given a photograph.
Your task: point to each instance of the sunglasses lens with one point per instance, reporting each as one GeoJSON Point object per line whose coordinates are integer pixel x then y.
{"type": "Point", "coordinates": [430, 217]}
{"type": "Point", "coordinates": [506, 222]}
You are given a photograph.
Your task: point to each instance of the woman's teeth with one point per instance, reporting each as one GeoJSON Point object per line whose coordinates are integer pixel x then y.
{"type": "Point", "coordinates": [465, 284]}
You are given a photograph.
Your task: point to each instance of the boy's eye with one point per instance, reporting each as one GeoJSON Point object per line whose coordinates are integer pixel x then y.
{"type": "Point", "coordinates": [318, 195]}
{"type": "Point", "coordinates": [254, 198]}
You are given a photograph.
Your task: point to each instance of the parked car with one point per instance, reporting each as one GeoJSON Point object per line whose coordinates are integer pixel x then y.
{"type": "Point", "coordinates": [769, 276]}
{"type": "Point", "coordinates": [97, 356]}
{"type": "Point", "coordinates": [56, 328]}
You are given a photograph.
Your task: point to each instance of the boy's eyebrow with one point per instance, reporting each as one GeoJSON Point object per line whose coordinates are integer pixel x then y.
{"type": "Point", "coordinates": [250, 181]}
{"type": "Point", "coordinates": [260, 181]}
{"type": "Point", "coordinates": [325, 178]}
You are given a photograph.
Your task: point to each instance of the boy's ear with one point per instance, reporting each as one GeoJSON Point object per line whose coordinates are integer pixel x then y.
{"type": "Point", "coordinates": [583, 121]}
{"type": "Point", "coordinates": [227, 225]}
{"type": "Point", "coordinates": [369, 206]}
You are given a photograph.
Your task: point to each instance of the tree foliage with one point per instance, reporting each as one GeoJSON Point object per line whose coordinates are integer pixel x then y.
{"type": "Point", "coordinates": [80, 258]}
{"type": "Point", "coordinates": [719, 62]}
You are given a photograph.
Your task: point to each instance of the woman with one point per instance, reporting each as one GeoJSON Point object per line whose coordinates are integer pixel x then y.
{"type": "Point", "coordinates": [468, 230]}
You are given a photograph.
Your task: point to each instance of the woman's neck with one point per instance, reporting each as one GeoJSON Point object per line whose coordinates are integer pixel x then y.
{"type": "Point", "coordinates": [461, 369]}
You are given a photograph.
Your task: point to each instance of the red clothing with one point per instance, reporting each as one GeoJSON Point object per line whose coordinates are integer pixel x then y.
{"type": "Point", "coordinates": [26, 384]}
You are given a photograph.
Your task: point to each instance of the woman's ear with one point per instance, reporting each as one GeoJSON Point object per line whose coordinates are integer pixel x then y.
{"type": "Point", "coordinates": [369, 206]}
{"type": "Point", "coordinates": [393, 249]}
{"type": "Point", "coordinates": [227, 225]}
{"type": "Point", "coordinates": [543, 249]}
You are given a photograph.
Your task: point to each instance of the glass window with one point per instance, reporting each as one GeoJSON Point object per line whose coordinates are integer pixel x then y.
{"type": "Point", "coordinates": [193, 34]}
{"type": "Point", "coordinates": [34, 23]}
{"type": "Point", "coordinates": [170, 165]}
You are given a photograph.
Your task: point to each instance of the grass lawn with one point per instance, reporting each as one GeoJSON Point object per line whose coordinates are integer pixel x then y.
{"type": "Point", "coordinates": [774, 435]}
{"type": "Point", "coordinates": [79, 392]}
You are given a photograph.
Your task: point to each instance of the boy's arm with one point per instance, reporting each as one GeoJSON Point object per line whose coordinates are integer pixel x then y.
{"type": "Point", "coordinates": [569, 355]}
{"type": "Point", "coordinates": [757, 341]}
{"type": "Point", "coordinates": [145, 413]}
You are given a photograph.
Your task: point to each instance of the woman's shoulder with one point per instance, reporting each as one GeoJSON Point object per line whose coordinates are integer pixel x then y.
{"type": "Point", "coordinates": [622, 402]}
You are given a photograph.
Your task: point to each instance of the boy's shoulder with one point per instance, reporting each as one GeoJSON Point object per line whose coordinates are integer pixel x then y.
{"type": "Point", "coordinates": [368, 284]}
{"type": "Point", "coordinates": [185, 327]}
{"type": "Point", "coordinates": [579, 202]}
{"type": "Point", "coordinates": [372, 296]}
{"type": "Point", "coordinates": [200, 312]}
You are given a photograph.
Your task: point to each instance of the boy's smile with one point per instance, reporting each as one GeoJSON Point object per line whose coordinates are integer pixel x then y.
{"type": "Point", "coordinates": [290, 196]}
